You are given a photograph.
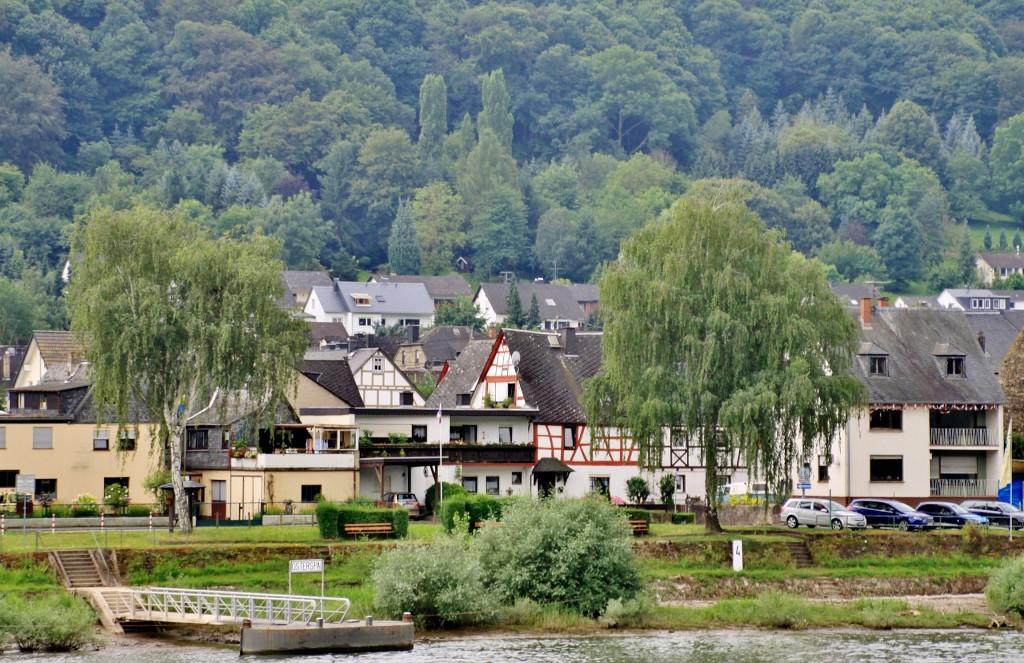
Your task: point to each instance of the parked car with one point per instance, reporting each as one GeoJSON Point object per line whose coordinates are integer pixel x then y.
{"type": "Point", "coordinates": [891, 513]}
{"type": "Point", "coordinates": [950, 514]}
{"type": "Point", "coordinates": [819, 513]}
{"type": "Point", "coordinates": [406, 500]}
{"type": "Point", "coordinates": [998, 513]}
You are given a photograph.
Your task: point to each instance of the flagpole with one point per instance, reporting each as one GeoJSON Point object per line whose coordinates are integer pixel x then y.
{"type": "Point", "coordinates": [440, 465]}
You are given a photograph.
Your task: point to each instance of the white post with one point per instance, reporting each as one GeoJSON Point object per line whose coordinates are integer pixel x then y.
{"type": "Point", "coordinates": [737, 555]}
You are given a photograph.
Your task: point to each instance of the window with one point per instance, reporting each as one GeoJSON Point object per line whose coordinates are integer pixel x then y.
{"type": "Point", "coordinates": [218, 490]}
{"type": "Point", "coordinates": [42, 437]}
{"type": "Point", "coordinates": [46, 487]}
{"type": "Point", "coordinates": [569, 437]}
{"type": "Point", "coordinates": [491, 486]}
{"type": "Point", "coordinates": [469, 483]}
{"type": "Point", "coordinates": [1000, 303]}
{"type": "Point", "coordinates": [361, 300]}
{"type": "Point", "coordinates": [114, 481]}
{"type": "Point", "coordinates": [365, 322]}
{"type": "Point", "coordinates": [101, 440]}
{"type": "Point", "coordinates": [8, 478]}
{"type": "Point", "coordinates": [3, 437]}
{"type": "Point", "coordinates": [955, 367]}
{"type": "Point", "coordinates": [680, 483]}
{"type": "Point", "coordinates": [823, 468]}
{"type": "Point", "coordinates": [878, 365]}
{"type": "Point", "coordinates": [462, 399]}
{"type": "Point", "coordinates": [377, 364]}
{"type": "Point", "coordinates": [975, 303]}
{"type": "Point", "coordinates": [405, 398]}
{"type": "Point", "coordinates": [409, 322]}
{"type": "Point", "coordinates": [419, 433]}
{"type": "Point", "coordinates": [886, 420]}
{"type": "Point", "coordinates": [505, 434]}
{"type": "Point", "coordinates": [886, 468]}
{"type": "Point", "coordinates": [601, 485]}
{"type": "Point", "coordinates": [126, 441]}
{"type": "Point", "coordinates": [517, 478]}
{"type": "Point", "coordinates": [197, 439]}
{"type": "Point", "coordinates": [309, 492]}
{"type": "Point", "coordinates": [987, 304]}
{"type": "Point", "coordinates": [512, 392]}
{"type": "Point", "coordinates": [678, 437]}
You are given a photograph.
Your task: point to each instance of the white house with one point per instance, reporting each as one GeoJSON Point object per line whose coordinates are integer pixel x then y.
{"type": "Point", "coordinates": [362, 307]}
{"type": "Point", "coordinates": [556, 303]}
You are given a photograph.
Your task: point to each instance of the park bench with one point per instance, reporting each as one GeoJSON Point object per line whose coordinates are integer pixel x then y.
{"type": "Point", "coordinates": [639, 527]}
{"type": "Point", "coordinates": [362, 529]}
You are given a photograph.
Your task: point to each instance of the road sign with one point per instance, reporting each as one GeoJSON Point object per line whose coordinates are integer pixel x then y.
{"type": "Point", "coordinates": [803, 486]}
{"type": "Point", "coordinates": [305, 566]}
{"type": "Point", "coordinates": [25, 484]}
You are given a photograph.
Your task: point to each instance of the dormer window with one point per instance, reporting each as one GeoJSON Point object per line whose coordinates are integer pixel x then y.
{"type": "Point", "coordinates": [360, 299]}
{"type": "Point", "coordinates": [954, 367]}
{"type": "Point", "coordinates": [878, 365]}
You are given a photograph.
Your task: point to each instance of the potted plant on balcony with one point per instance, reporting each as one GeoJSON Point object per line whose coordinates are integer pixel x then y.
{"type": "Point", "coordinates": [239, 449]}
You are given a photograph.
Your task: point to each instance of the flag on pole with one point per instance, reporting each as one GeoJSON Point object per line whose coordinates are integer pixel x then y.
{"type": "Point", "coordinates": [438, 414]}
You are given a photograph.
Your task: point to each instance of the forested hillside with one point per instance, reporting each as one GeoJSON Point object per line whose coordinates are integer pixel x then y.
{"type": "Point", "coordinates": [522, 135]}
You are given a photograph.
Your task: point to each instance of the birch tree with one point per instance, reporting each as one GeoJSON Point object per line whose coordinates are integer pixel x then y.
{"type": "Point", "coordinates": [171, 316]}
{"type": "Point", "coordinates": [717, 329]}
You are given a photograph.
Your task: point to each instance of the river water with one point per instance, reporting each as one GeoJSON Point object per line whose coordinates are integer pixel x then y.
{"type": "Point", "coordinates": [744, 646]}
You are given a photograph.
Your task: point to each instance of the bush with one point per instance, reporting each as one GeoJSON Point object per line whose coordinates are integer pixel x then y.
{"type": "Point", "coordinates": [440, 584]}
{"type": "Point", "coordinates": [667, 489]}
{"type": "Point", "coordinates": [347, 515]}
{"type": "Point", "coordinates": [450, 490]}
{"type": "Point", "coordinates": [115, 496]}
{"type": "Point", "coordinates": [638, 490]}
{"type": "Point", "coordinates": [636, 514]}
{"type": "Point", "coordinates": [57, 622]}
{"type": "Point", "coordinates": [471, 509]}
{"type": "Point", "coordinates": [972, 539]}
{"type": "Point", "coordinates": [85, 506]}
{"type": "Point", "coordinates": [360, 501]}
{"type": "Point", "coordinates": [327, 519]}
{"type": "Point", "coordinates": [683, 518]}
{"type": "Point", "coordinates": [138, 510]}
{"type": "Point", "coordinates": [1005, 589]}
{"type": "Point", "coordinates": [572, 552]}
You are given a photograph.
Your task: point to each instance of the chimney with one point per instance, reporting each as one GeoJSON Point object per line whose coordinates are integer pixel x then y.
{"type": "Point", "coordinates": [883, 302]}
{"type": "Point", "coordinates": [865, 312]}
{"type": "Point", "coordinates": [981, 340]}
{"type": "Point", "coordinates": [568, 338]}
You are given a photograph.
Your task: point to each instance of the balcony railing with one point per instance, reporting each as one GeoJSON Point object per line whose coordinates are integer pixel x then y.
{"type": "Point", "coordinates": [965, 487]}
{"type": "Point", "coordinates": [456, 452]}
{"type": "Point", "coordinates": [960, 437]}
{"type": "Point", "coordinates": [299, 459]}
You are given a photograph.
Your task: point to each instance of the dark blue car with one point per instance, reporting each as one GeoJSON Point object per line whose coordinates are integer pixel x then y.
{"type": "Point", "coordinates": [950, 514]}
{"type": "Point", "coordinates": [890, 513]}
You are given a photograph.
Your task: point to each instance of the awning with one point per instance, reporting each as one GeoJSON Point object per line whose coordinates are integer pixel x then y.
{"type": "Point", "coordinates": [551, 466]}
{"type": "Point", "coordinates": [189, 485]}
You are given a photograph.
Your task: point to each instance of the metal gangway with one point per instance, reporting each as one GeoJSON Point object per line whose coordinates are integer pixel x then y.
{"type": "Point", "coordinates": [201, 606]}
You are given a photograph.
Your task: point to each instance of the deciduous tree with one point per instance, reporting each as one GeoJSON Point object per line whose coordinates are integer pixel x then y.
{"type": "Point", "coordinates": [714, 327]}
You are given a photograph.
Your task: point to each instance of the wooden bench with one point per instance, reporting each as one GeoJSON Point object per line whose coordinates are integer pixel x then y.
{"type": "Point", "coordinates": [365, 529]}
{"type": "Point", "coordinates": [639, 527]}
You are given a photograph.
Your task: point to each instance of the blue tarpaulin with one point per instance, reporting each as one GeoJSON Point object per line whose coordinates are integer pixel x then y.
{"type": "Point", "coordinates": [1012, 493]}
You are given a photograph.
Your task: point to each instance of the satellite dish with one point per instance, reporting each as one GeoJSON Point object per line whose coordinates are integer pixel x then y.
{"type": "Point", "coordinates": [515, 358]}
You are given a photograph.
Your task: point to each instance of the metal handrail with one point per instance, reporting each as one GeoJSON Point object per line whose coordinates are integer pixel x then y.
{"type": "Point", "coordinates": [103, 558]}
{"type": "Point", "coordinates": [236, 606]}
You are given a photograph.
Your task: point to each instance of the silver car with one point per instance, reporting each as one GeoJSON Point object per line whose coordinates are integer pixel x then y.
{"type": "Point", "coordinates": [819, 513]}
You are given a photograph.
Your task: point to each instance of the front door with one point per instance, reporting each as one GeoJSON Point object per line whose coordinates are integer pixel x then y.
{"type": "Point", "coordinates": [219, 500]}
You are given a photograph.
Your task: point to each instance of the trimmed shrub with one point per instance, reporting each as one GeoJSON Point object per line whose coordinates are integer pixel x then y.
{"type": "Point", "coordinates": [572, 552]}
{"type": "Point", "coordinates": [683, 518]}
{"type": "Point", "coordinates": [138, 510]}
{"type": "Point", "coordinates": [348, 515]}
{"type": "Point", "coordinates": [327, 519]}
{"type": "Point", "coordinates": [637, 489]}
{"type": "Point", "coordinates": [56, 623]}
{"type": "Point", "coordinates": [667, 489]}
{"type": "Point", "coordinates": [85, 506]}
{"type": "Point", "coordinates": [636, 514]}
{"type": "Point", "coordinates": [1005, 589]}
{"type": "Point", "coordinates": [441, 584]}
{"type": "Point", "coordinates": [470, 509]}
{"type": "Point", "coordinates": [449, 490]}
{"type": "Point", "coordinates": [453, 510]}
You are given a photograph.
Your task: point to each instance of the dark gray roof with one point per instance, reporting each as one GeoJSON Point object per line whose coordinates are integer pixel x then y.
{"type": "Point", "coordinates": [916, 376]}
{"type": "Point", "coordinates": [302, 283]}
{"type": "Point", "coordinates": [852, 293]}
{"type": "Point", "coordinates": [583, 292]}
{"type": "Point", "coordinates": [551, 380]}
{"type": "Point", "coordinates": [329, 332]}
{"type": "Point", "coordinates": [1000, 330]}
{"type": "Point", "coordinates": [335, 376]}
{"type": "Point", "coordinates": [411, 298]}
{"type": "Point", "coordinates": [462, 374]}
{"type": "Point", "coordinates": [1007, 260]}
{"type": "Point", "coordinates": [554, 300]}
{"type": "Point", "coordinates": [444, 343]}
{"type": "Point", "coordinates": [438, 287]}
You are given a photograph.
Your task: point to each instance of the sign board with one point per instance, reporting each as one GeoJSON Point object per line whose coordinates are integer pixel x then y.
{"type": "Point", "coordinates": [25, 484]}
{"type": "Point", "coordinates": [306, 566]}
{"type": "Point", "coordinates": [803, 486]}
{"type": "Point", "coordinates": [804, 474]}
{"type": "Point", "coordinates": [737, 555]}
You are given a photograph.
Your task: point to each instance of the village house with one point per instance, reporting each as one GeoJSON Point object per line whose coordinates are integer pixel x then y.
{"type": "Point", "coordinates": [993, 267]}
{"type": "Point", "coordinates": [557, 304]}
{"type": "Point", "coordinates": [442, 289]}
{"type": "Point", "coordinates": [363, 307]}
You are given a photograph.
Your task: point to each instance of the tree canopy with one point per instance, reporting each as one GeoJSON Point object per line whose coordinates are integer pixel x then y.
{"type": "Point", "coordinates": [171, 316]}
{"type": "Point", "coordinates": [715, 329]}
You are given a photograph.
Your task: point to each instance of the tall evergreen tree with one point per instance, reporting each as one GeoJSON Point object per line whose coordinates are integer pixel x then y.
{"type": "Point", "coordinates": [514, 316]}
{"type": "Point", "coordinates": [533, 314]}
{"type": "Point", "coordinates": [403, 246]}
{"type": "Point", "coordinates": [1016, 241]}
{"type": "Point", "coordinates": [965, 257]}
{"type": "Point", "coordinates": [433, 121]}
{"type": "Point", "coordinates": [987, 241]}
{"type": "Point", "coordinates": [1003, 243]}
{"type": "Point", "coordinates": [495, 115]}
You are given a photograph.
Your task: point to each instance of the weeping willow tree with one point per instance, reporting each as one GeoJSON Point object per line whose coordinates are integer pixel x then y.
{"type": "Point", "coordinates": [716, 330]}
{"type": "Point", "coordinates": [173, 317]}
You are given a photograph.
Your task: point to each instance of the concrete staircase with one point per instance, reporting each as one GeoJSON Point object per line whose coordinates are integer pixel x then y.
{"type": "Point", "coordinates": [87, 574]}
{"type": "Point", "coordinates": [800, 553]}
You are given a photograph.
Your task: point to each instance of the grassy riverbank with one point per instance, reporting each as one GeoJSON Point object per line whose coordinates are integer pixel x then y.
{"type": "Point", "coordinates": [690, 583]}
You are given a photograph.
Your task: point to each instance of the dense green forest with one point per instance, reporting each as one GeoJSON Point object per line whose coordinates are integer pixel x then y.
{"type": "Point", "coordinates": [528, 135]}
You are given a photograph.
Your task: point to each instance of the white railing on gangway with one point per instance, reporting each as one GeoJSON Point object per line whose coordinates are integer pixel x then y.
{"type": "Point", "coordinates": [164, 603]}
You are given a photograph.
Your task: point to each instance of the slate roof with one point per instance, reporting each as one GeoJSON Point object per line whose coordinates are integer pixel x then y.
{"type": "Point", "coordinates": [1000, 330]}
{"type": "Point", "coordinates": [852, 293]}
{"type": "Point", "coordinates": [462, 374]}
{"type": "Point", "coordinates": [916, 376]}
{"type": "Point", "coordinates": [329, 332]}
{"type": "Point", "coordinates": [552, 381]}
{"type": "Point", "coordinates": [919, 302]}
{"type": "Point", "coordinates": [411, 298]}
{"type": "Point", "coordinates": [582, 292]}
{"type": "Point", "coordinates": [60, 351]}
{"type": "Point", "coordinates": [438, 287]}
{"type": "Point", "coordinates": [335, 376]}
{"type": "Point", "coordinates": [296, 282]}
{"type": "Point", "coordinates": [563, 304]}
{"type": "Point", "coordinates": [1000, 260]}
{"type": "Point", "coordinates": [443, 343]}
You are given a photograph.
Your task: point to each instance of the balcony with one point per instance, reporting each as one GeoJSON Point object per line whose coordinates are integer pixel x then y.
{"type": "Point", "coordinates": [964, 487]}
{"type": "Point", "coordinates": [298, 459]}
{"type": "Point", "coordinates": [960, 437]}
{"type": "Point", "coordinates": [456, 452]}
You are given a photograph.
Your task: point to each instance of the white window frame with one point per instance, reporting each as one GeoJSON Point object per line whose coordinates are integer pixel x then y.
{"type": "Point", "coordinates": [101, 439]}
{"type": "Point", "coordinates": [377, 364]}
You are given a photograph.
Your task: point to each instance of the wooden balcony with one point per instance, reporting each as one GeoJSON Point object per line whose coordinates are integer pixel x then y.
{"type": "Point", "coordinates": [517, 454]}
{"type": "Point", "coordinates": [960, 437]}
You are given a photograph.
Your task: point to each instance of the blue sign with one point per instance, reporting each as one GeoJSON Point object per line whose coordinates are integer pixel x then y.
{"type": "Point", "coordinates": [803, 486]}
